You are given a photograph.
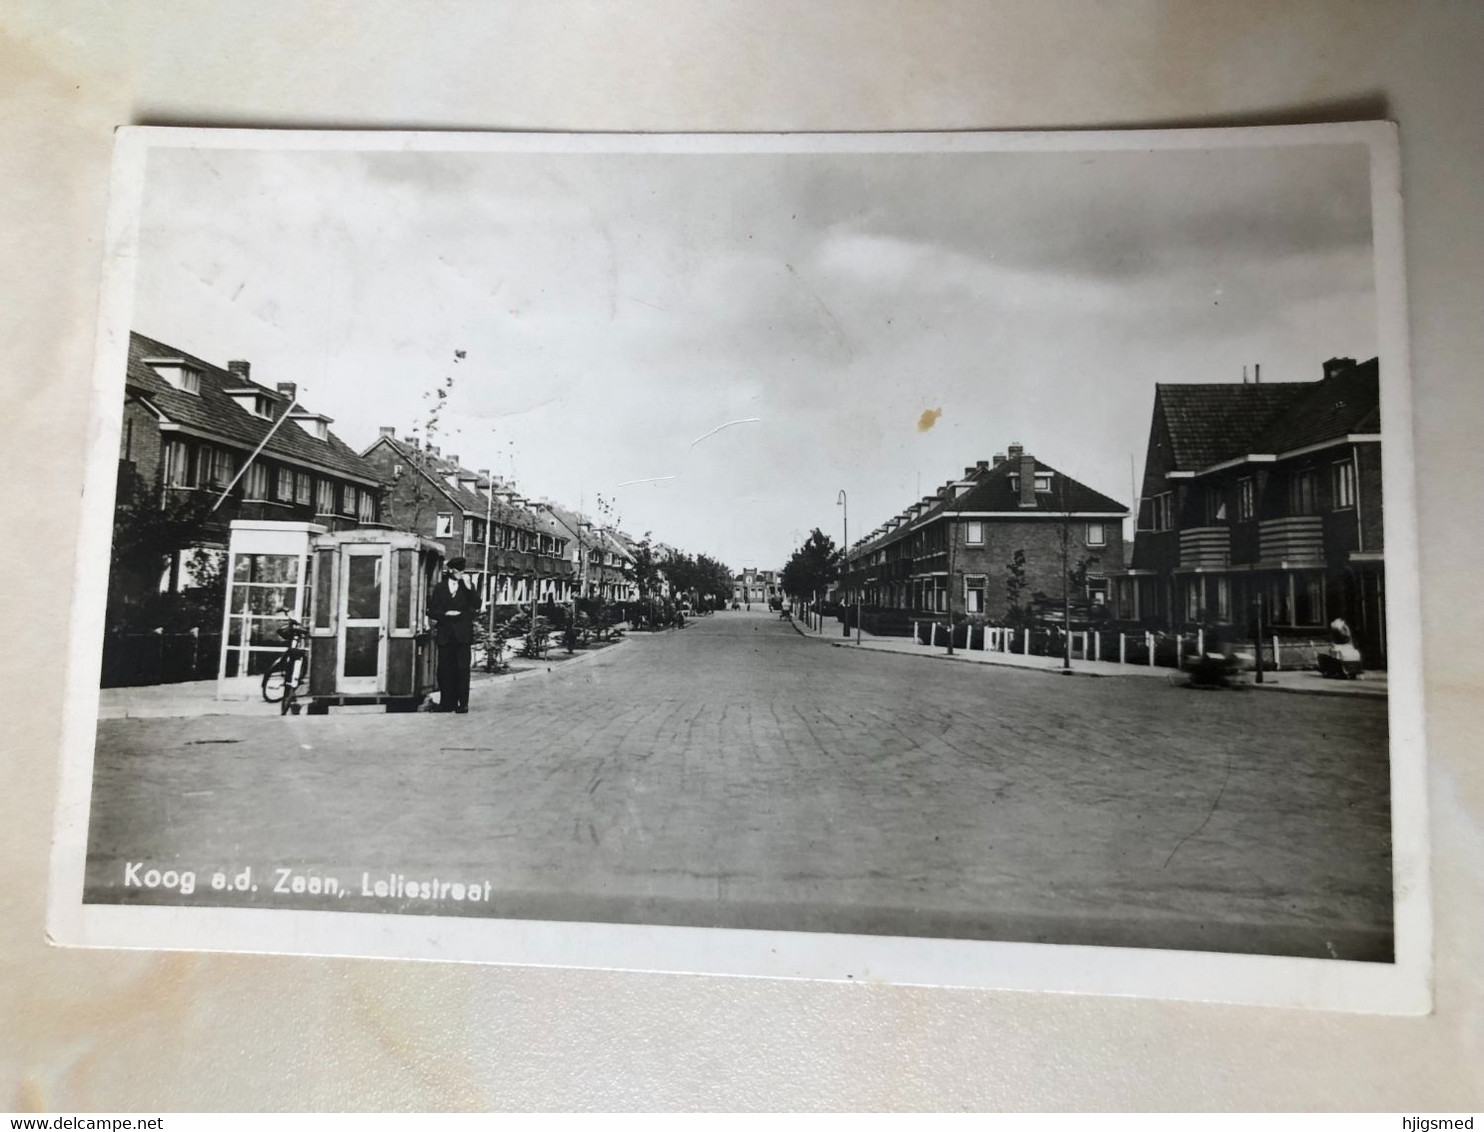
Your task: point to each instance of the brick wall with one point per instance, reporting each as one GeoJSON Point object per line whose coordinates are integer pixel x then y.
{"type": "Point", "coordinates": [1040, 539]}
{"type": "Point", "coordinates": [139, 442]}
{"type": "Point", "coordinates": [1368, 475]}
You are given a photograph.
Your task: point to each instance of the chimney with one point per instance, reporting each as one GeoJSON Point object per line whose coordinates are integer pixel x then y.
{"type": "Point", "coordinates": [981, 465]}
{"type": "Point", "coordinates": [1027, 477]}
{"type": "Point", "coordinates": [1333, 366]}
{"type": "Point", "coordinates": [453, 459]}
{"type": "Point", "coordinates": [388, 432]}
{"type": "Point", "coordinates": [484, 474]}
{"type": "Point", "coordinates": [1015, 450]}
{"type": "Point", "coordinates": [1257, 374]}
{"type": "Point", "coordinates": [239, 368]}
{"type": "Point", "coordinates": [287, 389]}
{"type": "Point", "coordinates": [432, 449]}
{"type": "Point", "coordinates": [999, 458]}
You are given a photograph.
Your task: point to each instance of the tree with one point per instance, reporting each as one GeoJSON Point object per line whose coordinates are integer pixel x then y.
{"type": "Point", "coordinates": [146, 535]}
{"type": "Point", "coordinates": [646, 568]}
{"type": "Point", "coordinates": [812, 567]}
{"type": "Point", "coordinates": [1015, 583]}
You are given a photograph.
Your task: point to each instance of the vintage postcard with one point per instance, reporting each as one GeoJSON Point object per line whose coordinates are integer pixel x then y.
{"type": "Point", "coordinates": [962, 559]}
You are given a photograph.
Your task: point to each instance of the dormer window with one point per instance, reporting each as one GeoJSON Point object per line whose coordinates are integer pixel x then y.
{"type": "Point", "coordinates": [1043, 482]}
{"type": "Point", "coordinates": [258, 404]}
{"type": "Point", "coordinates": [314, 424]}
{"type": "Point", "coordinates": [177, 373]}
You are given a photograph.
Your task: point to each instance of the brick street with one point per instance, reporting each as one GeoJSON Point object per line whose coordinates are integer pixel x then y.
{"type": "Point", "coordinates": [736, 774]}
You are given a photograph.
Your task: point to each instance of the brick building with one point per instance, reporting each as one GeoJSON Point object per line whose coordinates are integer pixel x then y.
{"type": "Point", "coordinates": [515, 548]}
{"type": "Point", "coordinates": [960, 549]}
{"type": "Point", "coordinates": [190, 429]}
{"type": "Point", "coordinates": [1263, 494]}
{"type": "Point", "coordinates": [754, 585]}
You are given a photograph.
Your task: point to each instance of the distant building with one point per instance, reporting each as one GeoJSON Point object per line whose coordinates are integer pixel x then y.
{"type": "Point", "coordinates": [1263, 494]}
{"type": "Point", "coordinates": [1008, 530]}
{"type": "Point", "coordinates": [753, 585]}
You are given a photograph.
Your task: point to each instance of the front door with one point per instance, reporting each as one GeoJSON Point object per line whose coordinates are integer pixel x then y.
{"type": "Point", "coordinates": [363, 617]}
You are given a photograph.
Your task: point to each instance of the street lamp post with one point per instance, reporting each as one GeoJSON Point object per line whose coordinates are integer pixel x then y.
{"type": "Point", "coordinates": [845, 560]}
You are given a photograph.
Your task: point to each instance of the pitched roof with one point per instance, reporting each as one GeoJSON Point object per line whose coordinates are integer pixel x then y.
{"type": "Point", "coordinates": [992, 492]}
{"type": "Point", "coordinates": [1210, 424]}
{"type": "Point", "coordinates": [214, 412]}
{"type": "Point", "coordinates": [436, 469]}
{"type": "Point", "coordinates": [1342, 404]}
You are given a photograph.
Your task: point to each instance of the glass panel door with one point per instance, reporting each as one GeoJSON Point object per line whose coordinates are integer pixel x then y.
{"type": "Point", "coordinates": [363, 617]}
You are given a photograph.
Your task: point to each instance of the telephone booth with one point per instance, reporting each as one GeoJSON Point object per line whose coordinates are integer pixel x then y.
{"type": "Point", "coordinates": [367, 612]}
{"type": "Point", "coordinates": [362, 595]}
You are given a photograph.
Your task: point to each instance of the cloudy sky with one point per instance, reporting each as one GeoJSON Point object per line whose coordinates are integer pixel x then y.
{"type": "Point", "coordinates": [614, 308]}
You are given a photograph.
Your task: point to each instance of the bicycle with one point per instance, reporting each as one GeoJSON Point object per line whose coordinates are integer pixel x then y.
{"type": "Point", "coordinates": [285, 677]}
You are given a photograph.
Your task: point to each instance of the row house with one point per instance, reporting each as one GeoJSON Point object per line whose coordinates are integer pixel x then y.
{"type": "Point", "coordinates": [1263, 499]}
{"type": "Point", "coordinates": [516, 549]}
{"type": "Point", "coordinates": [757, 585]}
{"type": "Point", "coordinates": [210, 442]}
{"type": "Point", "coordinates": [1007, 523]}
{"type": "Point", "coordinates": [602, 556]}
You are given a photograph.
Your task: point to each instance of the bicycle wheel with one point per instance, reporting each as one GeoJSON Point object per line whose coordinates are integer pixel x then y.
{"type": "Point", "coordinates": [274, 681]}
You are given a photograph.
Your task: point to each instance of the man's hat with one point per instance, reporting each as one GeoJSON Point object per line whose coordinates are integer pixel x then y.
{"type": "Point", "coordinates": [455, 564]}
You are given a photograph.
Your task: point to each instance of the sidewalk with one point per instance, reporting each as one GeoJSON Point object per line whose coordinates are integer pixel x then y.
{"type": "Point", "coordinates": [198, 697]}
{"type": "Point", "coordinates": [1371, 684]}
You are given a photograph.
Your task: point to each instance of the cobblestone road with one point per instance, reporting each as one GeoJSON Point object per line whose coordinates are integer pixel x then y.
{"type": "Point", "coordinates": [735, 774]}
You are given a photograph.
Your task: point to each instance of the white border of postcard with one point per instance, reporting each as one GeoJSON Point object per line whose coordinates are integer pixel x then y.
{"type": "Point", "coordinates": [1402, 987]}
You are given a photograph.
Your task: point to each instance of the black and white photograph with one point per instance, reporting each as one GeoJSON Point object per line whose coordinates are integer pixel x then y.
{"type": "Point", "coordinates": [971, 559]}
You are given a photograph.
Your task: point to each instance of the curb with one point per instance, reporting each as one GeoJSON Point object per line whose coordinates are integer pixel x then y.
{"type": "Point", "coordinates": [1286, 689]}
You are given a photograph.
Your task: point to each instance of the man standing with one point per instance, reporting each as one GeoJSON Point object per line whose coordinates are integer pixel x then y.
{"type": "Point", "coordinates": [452, 607]}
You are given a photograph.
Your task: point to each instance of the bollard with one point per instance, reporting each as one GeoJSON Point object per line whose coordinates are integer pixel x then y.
{"type": "Point", "coordinates": [915, 638]}
{"type": "Point", "coordinates": [1097, 645]}
{"type": "Point", "coordinates": [1179, 650]}
{"type": "Point", "coordinates": [1025, 642]}
{"type": "Point", "coordinates": [1277, 656]}
{"type": "Point", "coordinates": [1149, 642]}
{"type": "Point", "coordinates": [1200, 642]}
{"type": "Point", "coordinates": [933, 635]}
{"type": "Point", "coordinates": [1122, 649]}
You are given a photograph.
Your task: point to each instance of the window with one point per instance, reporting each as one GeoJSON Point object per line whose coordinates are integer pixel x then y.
{"type": "Point", "coordinates": [189, 380]}
{"type": "Point", "coordinates": [974, 593]}
{"type": "Point", "coordinates": [974, 534]}
{"type": "Point", "coordinates": [1246, 499]}
{"type": "Point", "coordinates": [178, 465]}
{"type": "Point", "coordinates": [1193, 599]}
{"type": "Point", "coordinates": [348, 499]}
{"type": "Point", "coordinates": [213, 466]}
{"type": "Point", "coordinates": [444, 528]}
{"type": "Point", "coordinates": [1043, 482]}
{"type": "Point", "coordinates": [1097, 589]}
{"type": "Point", "coordinates": [255, 482]}
{"type": "Point", "coordinates": [1308, 600]}
{"type": "Point", "coordinates": [1223, 598]}
{"type": "Point", "coordinates": [303, 488]}
{"type": "Point", "coordinates": [1162, 512]}
{"type": "Point", "coordinates": [324, 497]}
{"type": "Point", "coordinates": [1215, 506]}
{"type": "Point", "coordinates": [1303, 494]}
{"type": "Point", "coordinates": [1096, 535]}
{"type": "Point", "coordinates": [367, 511]}
{"type": "Point", "coordinates": [283, 489]}
{"type": "Point", "coordinates": [468, 529]}
{"type": "Point", "coordinates": [1342, 484]}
